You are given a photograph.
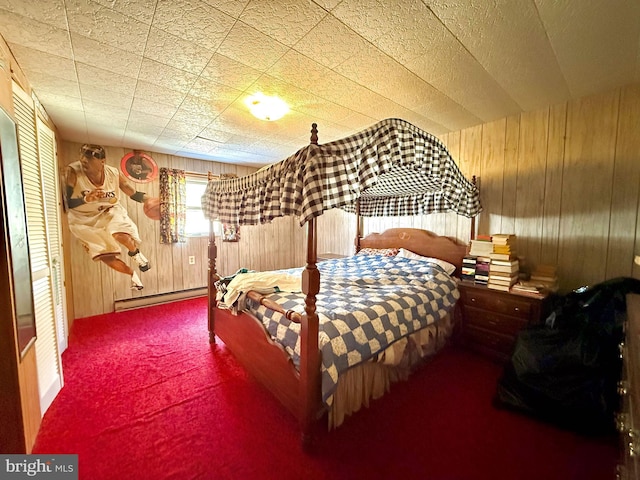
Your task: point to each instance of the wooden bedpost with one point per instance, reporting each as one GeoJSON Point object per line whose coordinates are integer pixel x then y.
{"type": "Point", "coordinates": [211, 279]}
{"type": "Point", "coordinates": [358, 226]}
{"type": "Point", "coordinates": [314, 134]}
{"type": "Point", "coordinates": [473, 219]}
{"type": "Point", "coordinates": [309, 352]}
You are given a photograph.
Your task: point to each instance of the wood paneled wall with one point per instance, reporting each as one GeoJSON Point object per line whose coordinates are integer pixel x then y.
{"type": "Point", "coordinates": [564, 179]}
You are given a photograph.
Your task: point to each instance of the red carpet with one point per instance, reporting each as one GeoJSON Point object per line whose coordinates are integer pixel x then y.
{"type": "Point", "coordinates": [147, 397]}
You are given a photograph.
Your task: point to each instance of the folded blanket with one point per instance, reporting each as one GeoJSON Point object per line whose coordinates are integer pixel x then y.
{"type": "Point", "coordinates": [263, 282]}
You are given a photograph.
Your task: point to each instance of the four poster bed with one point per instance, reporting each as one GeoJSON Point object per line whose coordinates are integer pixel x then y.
{"type": "Point", "coordinates": [331, 336]}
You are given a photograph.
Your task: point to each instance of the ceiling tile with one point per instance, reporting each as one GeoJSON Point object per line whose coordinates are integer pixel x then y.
{"type": "Point", "coordinates": [37, 61]}
{"type": "Point", "coordinates": [154, 93]}
{"type": "Point", "coordinates": [344, 43]}
{"type": "Point", "coordinates": [95, 21]}
{"type": "Point", "coordinates": [105, 97]}
{"type": "Point", "coordinates": [193, 21]}
{"type": "Point", "coordinates": [596, 43]}
{"type": "Point", "coordinates": [219, 95]}
{"type": "Point", "coordinates": [178, 136]}
{"type": "Point", "coordinates": [56, 85]}
{"type": "Point", "coordinates": [106, 79]}
{"type": "Point", "coordinates": [215, 135]}
{"type": "Point", "coordinates": [138, 141]}
{"type": "Point", "coordinates": [166, 76]}
{"type": "Point", "coordinates": [374, 18]}
{"type": "Point", "coordinates": [35, 35]}
{"type": "Point", "coordinates": [143, 126]}
{"type": "Point", "coordinates": [250, 47]}
{"type": "Point", "coordinates": [176, 52]}
{"type": "Point", "coordinates": [144, 106]}
{"type": "Point", "coordinates": [327, 4]}
{"type": "Point", "coordinates": [107, 133]}
{"type": "Point", "coordinates": [57, 102]}
{"type": "Point", "coordinates": [514, 52]}
{"type": "Point", "coordinates": [202, 106]}
{"type": "Point", "coordinates": [188, 122]}
{"type": "Point", "coordinates": [230, 7]}
{"type": "Point", "coordinates": [286, 21]}
{"type": "Point", "coordinates": [92, 52]}
{"type": "Point", "coordinates": [295, 68]}
{"type": "Point", "coordinates": [97, 120]}
{"type": "Point", "coordinates": [107, 111]}
{"type": "Point", "coordinates": [137, 117]}
{"type": "Point", "coordinates": [141, 10]}
{"type": "Point", "coordinates": [230, 72]}
{"type": "Point", "coordinates": [45, 11]}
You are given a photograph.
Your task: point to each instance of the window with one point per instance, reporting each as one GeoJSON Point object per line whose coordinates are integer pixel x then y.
{"type": "Point", "coordinates": [197, 225]}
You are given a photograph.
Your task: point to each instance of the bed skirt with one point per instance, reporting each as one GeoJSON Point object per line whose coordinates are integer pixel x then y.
{"type": "Point", "coordinates": [371, 380]}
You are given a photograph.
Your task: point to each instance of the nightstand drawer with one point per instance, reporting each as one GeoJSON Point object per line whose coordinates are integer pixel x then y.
{"type": "Point", "coordinates": [493, 321]}
{"type": "Point", "coordinates": [504, 304]}
{"type": "Point", "coordinates": [495, 342]}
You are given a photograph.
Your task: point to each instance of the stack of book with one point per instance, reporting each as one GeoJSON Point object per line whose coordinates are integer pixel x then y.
{"type": "Point", "coordinates": [525, 287]}
{"type": "Point", "coordinates": [545, 277]}
{"type": "Point", "coordinates": [543, 280]}
{"type": "Point", "coordinates": [468, 268]}
{"type": "Point", "coordinates": [503, 274]}
{"type": "Point", "coordinates": [482, 246]}
{"type": "Point", "coordinates": [482, 270]}
{"type": "Point", "coordinates": [504, 246]}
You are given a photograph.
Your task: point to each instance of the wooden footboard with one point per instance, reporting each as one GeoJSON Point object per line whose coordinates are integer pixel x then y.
{"type": "Point", "coordinates": [266, 360]}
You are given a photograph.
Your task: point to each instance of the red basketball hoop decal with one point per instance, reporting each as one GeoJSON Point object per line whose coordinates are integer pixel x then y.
{"type": "Point", "coordinates": [139, 167]}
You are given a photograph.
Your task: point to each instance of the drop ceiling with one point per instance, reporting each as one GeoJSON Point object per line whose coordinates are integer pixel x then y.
{"type": "Point", "coordinates": [171, 76]}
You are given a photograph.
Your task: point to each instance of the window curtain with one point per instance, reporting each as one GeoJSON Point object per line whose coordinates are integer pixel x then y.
{"type": "Point", "coordinates": [173, 205]}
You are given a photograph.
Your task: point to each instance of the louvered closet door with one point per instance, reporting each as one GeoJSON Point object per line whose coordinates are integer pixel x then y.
{"type": "Point", "coordinates": [47, 353]}
{"type": "Point", "coordinates": [52, 208]}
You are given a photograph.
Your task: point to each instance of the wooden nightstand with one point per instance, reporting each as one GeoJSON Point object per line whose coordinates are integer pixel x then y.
{"type": "Point", "coordinates": [492, 318]}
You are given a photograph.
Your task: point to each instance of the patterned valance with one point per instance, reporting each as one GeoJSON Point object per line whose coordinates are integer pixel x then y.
{"type": "Point", "coordinates": [392, 167]}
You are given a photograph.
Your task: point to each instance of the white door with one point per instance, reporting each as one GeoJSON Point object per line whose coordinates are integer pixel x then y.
{"type": "Point", "coordinates": [38, 204]}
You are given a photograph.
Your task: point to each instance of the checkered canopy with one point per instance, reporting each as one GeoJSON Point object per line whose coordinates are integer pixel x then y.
{"type": "Point", "coordinates": [392, 168]}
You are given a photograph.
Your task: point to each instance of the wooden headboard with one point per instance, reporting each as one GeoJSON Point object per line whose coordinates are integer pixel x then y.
{"type": "Point", "coordinates": [422, 242]}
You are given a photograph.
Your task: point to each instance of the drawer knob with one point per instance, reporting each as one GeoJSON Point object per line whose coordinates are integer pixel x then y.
{"type": "Point", "coordinates": [516, 309]}
{"type": "Point", "coordinates": [633, 443]}
{"type": "Point", "coordinates": [623, 387]}
{"type": "Point", "coordinates": [622, 420]}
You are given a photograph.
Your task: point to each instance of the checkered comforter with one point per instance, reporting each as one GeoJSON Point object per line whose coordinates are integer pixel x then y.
{"type": "Point", "coordinates": [366, 302]}
{"type": "Point", "coordinates": [391, 168]}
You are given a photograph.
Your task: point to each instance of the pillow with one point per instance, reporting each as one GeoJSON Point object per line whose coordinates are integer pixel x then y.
{"type": "Point", "coordinates": [385, 252]}
{"type": "Point", "coordinates": [446, 266]}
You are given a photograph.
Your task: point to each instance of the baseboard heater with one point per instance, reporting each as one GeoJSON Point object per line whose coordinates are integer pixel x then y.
{"type": "Point", "coordinates": [139, 302]}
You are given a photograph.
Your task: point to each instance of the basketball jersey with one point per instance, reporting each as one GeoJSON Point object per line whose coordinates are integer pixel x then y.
{"type": "Point", "coordinates": [110, 187]}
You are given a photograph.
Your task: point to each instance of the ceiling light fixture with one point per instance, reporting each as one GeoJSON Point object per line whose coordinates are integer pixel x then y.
{"type": "Point", "coordinates": [265, 107]}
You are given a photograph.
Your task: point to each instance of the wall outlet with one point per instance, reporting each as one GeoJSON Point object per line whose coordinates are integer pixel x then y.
{"type": "Point", "coordinates": [192, 260]}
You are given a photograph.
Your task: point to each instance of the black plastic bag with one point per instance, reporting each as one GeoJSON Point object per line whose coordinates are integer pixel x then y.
{"type": "Point", "coordinates": [566, 371]}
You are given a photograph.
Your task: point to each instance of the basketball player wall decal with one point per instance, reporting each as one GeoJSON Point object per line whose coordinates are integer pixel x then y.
{"type": "Point", "coordinates": [96, 216]}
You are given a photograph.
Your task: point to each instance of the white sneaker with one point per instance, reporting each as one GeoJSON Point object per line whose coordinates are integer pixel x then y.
{"type": "Point", "coordinates": [141, 260]}
{"type": "Point", "coordinates": [136, 283]}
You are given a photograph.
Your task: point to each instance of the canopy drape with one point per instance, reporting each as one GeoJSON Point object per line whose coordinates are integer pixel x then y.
{"type": "Point", "coordinates": [392, 168]}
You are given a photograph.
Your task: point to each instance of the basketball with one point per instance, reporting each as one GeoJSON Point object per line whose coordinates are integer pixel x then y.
{"type": "Point", "coordinates": [152, 208]}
